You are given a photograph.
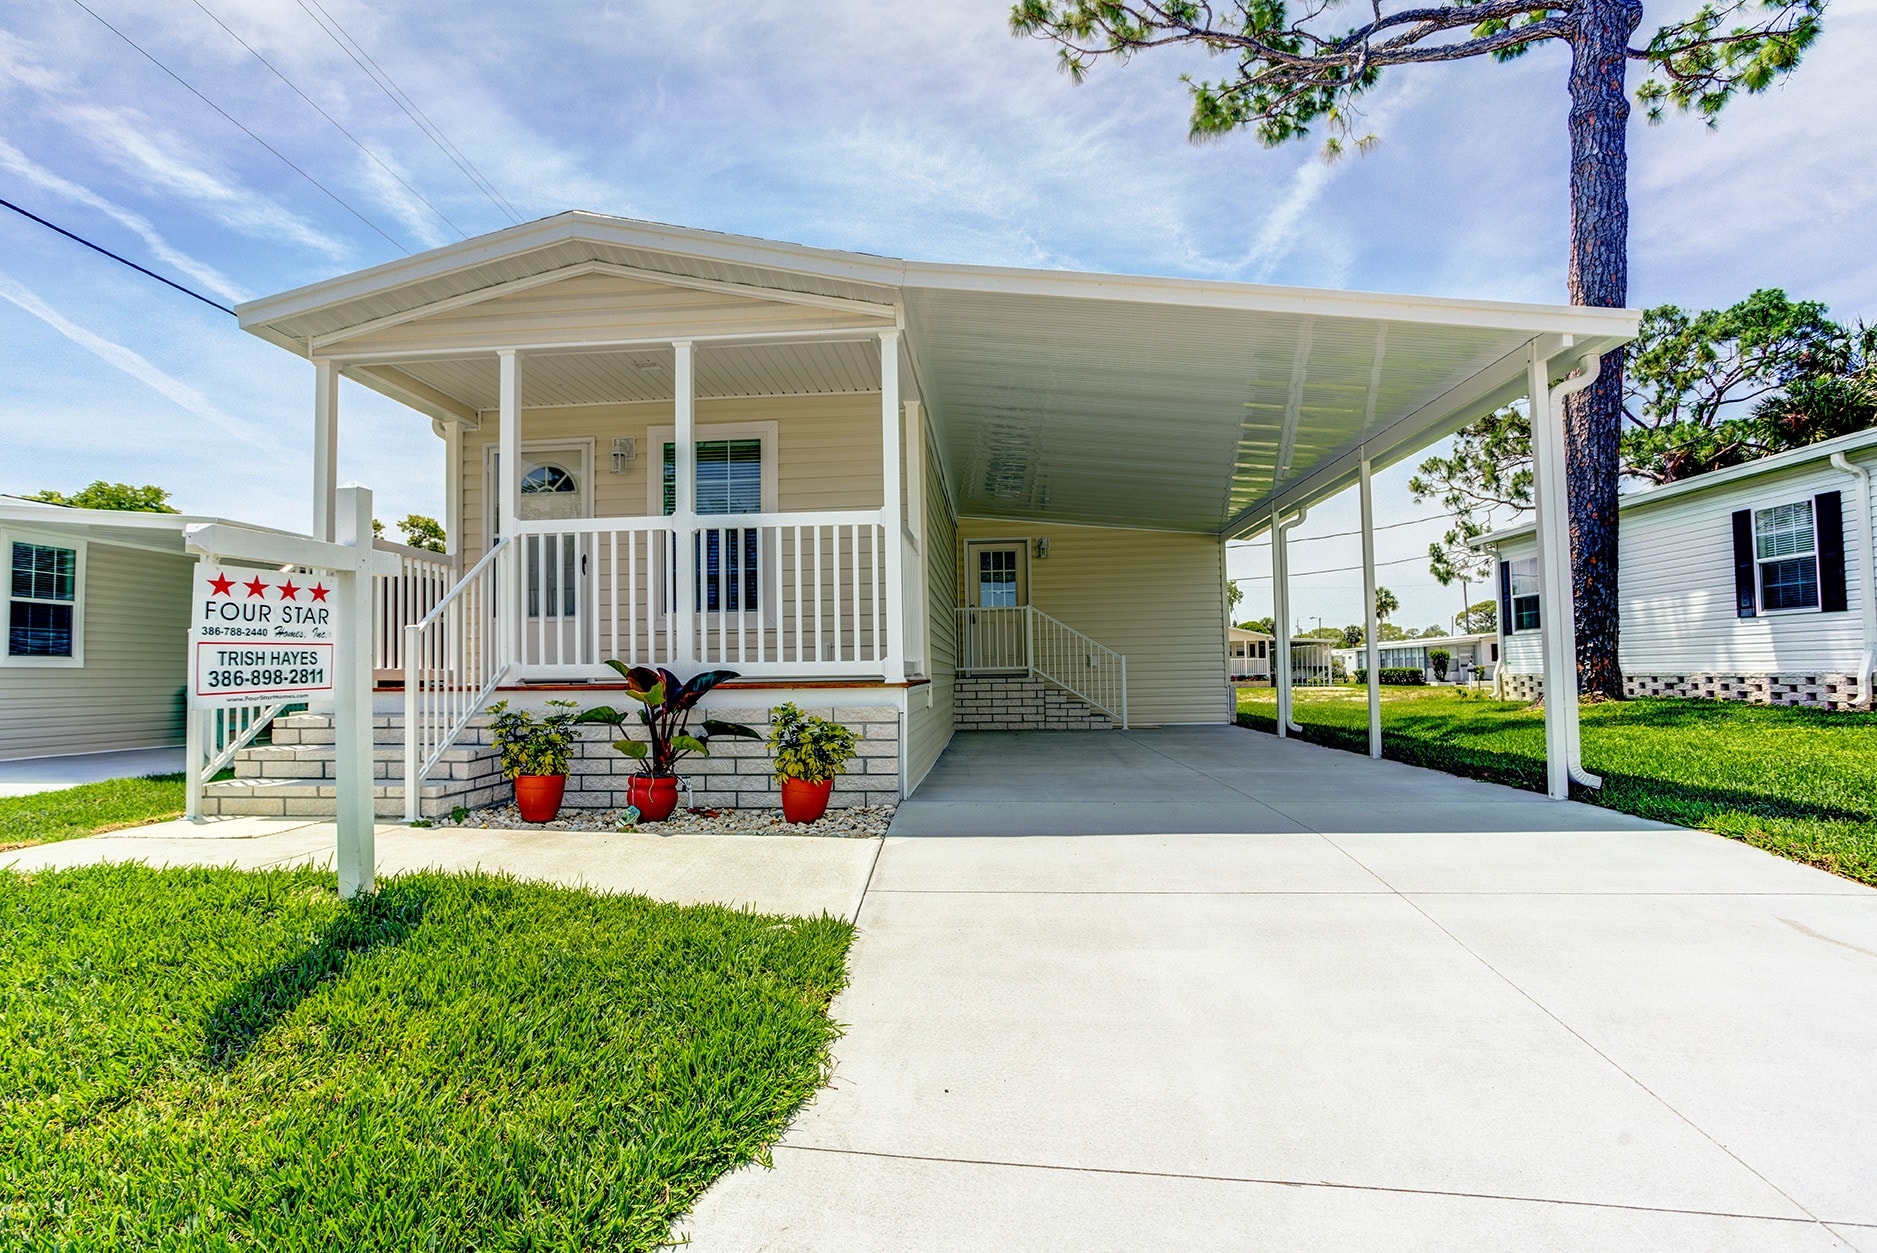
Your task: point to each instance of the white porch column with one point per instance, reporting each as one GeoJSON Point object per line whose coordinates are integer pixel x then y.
{"type": "Point", "coordinates": [684, 498]}
{"type": "Point", "coordinates": [1371, 645]}
{"type": "Point", "coordinates": [1557, 619]}
{"type": "Point", "coordinates": [892, 546]}
{"type": "Point", "coordinates": [325, 445]}
{"type": "Point", "coordinates": [508, 494]}
{"type": "Point", "coordinates": [1280, 623]}
{"type": "Point", "coordinates": [352, 705]}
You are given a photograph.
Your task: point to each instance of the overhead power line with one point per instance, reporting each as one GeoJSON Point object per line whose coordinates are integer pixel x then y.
{"type": "Point", "coordinates": [1311, 539]}
{"type": "Point", "coordinates": [364, 60]}
{"type": "Point", "coordinates": [1298, 574]}
{"type": "Point", "coordinates": [330, 118]}
{"type": "Point", "coordinates": [332, 195]}
{"type": "Point", "coordinates": [113, 256]}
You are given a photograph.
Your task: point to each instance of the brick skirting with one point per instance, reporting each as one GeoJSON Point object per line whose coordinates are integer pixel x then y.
{"type": "Point", "coordinates": [1819, 691]}
{"type": "Point", "coordinates": [294, 777]}
{"type": "Point", "coordinates": [1016, 702]}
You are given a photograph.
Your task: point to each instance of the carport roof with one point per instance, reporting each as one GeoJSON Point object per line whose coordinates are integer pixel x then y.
{"type": "Point", "coordinates": [1174, 404]}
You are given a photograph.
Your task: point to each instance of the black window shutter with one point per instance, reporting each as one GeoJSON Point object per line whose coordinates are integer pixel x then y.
{"type": "Point", "coordinates": [1744, 606]}
{"type": "Point", "coordinates": [1828, 517]}
{"type": "Point", "coordinates": [1505, 597]}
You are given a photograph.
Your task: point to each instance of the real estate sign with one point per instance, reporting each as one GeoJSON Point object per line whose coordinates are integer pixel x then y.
{"type": "Point", "coordinates": [260, 635]}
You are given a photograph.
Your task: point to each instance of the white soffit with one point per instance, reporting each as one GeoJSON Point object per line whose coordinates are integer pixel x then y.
{"type": "Point", "coordinates": [1173, 404]}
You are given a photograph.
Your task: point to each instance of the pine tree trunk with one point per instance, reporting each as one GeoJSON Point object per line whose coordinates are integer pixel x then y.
{"type": "Point", "coordinates": [1599, 275]}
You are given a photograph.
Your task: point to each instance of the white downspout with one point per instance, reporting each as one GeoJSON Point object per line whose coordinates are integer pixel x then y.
{"type": "Point", "coordinates": [1867, 595]}
{"type": "Point", "coordinates": [1588, 367]}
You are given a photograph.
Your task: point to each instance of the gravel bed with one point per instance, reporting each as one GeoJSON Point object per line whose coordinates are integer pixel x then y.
{"type": "Point", "coordinates": [861, 822]}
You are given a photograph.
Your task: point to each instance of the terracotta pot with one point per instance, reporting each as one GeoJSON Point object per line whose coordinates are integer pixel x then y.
{"type": "Point", "coordinates": [803, 801]}
{"type": "Point", "coordinates": [653, 798]}
{"type": "Point", "coordinates": [538, 796]}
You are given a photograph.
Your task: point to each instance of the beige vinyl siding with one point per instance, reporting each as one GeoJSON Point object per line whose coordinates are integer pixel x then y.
{"type": "Point", "coordinates": [827, 454]}
{"type": "Point", "coordinates": [129, 693]}
{"type": "Point", "coordinates": [1156, 597]}
{"type": "Point", "coordinates": [1675, 562]}
{"type": "Point", "coordinates": [929, 730]}
{"type": "Point", "coordinates": [600, 307]}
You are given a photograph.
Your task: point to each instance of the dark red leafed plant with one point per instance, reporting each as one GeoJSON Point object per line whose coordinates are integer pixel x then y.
{"type": "Point", "coordinates": [666, 705]}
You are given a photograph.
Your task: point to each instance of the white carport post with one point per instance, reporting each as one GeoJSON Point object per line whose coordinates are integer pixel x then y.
{"type": "Point", "coordinates": [1558, 619]}
{"type": "Point", "coordinates": [890, 542]}
{"type": "Point", "coordinates": [1280, 617]}
{"type": "Point", "coordinates": [1371, 646]}
{"type": "Point", "coordinates": [686, 543]}
{"type": "Point", "coordinates": [325, 445]}
{"type": "Point", "coordinates": [508, 494]}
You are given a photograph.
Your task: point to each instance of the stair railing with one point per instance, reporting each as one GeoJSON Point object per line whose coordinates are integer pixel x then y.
{"type": "Point", "coordinates": [1023, 639]}
{"type": "Point", "coordinates": [453, 661]}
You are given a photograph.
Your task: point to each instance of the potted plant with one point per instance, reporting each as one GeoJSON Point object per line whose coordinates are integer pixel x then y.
{"type": "Point", "coordinates": [665, 713]}
{"type": "Point", "coordinates": [534, 755]}
{"type": "Point", "coordinates": [809, 752]}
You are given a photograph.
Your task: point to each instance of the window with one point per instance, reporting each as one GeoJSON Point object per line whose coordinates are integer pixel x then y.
{"type": "Point", "coordinates": [729, 480]}
{"type": "Point", "coordinates": [549, 481]}
{"type": "Point", "coordinates": [1524, 594]}
{"type": "Point", "coordinates": [1785, 548]}
{"type": "Point", "coordinates": [997, 578]}
{"type": "Point", "coordinates": [42, 603]}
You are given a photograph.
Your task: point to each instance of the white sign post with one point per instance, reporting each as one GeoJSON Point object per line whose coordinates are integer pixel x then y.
{"type": "Point", "coordinates": [277, 636]}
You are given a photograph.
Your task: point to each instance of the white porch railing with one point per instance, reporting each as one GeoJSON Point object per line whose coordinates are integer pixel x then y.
{"type": "Point", "coordinates": [424, 578]}
{"type": "Point", "coordinates": [453, 659]}
{"type": "Point", "coordinates": [795, 594]}
{"type": "Point", "coordinates": [1023, 639]}
{"type": "Point", "coordinates": [211, 739]}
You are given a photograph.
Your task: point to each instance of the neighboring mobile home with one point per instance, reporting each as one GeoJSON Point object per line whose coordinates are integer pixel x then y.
{"type": "Point", "coordinates": [96, 656]}
{"type": "Point", "coordinates": [1247, 654]}
{"type": "Point", "coordinates": [1471, 658]}
{"type": "Point", "coordinates": [1750, 583]}
{"type": "Point", "coordinates": [922, 496]}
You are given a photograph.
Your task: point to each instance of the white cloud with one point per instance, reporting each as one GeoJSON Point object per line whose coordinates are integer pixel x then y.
{"type": "Point", "coordinates": [131, 363]}
{"type": "Point", "coordinates": [13, 159]}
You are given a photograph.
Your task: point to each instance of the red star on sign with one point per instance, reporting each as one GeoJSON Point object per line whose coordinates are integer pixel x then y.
{"type": "Point", "coordinates": [288, 591]}
{"type": "Point", "coordinates": [319, 591]}
{"type": "Point", "coordinates": [221, 583]}
{"type": "Point", "coordinates": [255, 587]}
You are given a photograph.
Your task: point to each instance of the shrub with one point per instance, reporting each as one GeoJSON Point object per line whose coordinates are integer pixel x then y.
{"type": "Point", "coordinates": [811, 749]}
{"type": "Point", "coordinates": [1438, 659]}
{"type": "Point", "coordinates": [1396, 676]}
{"type": "Point", "coordinates": [531, 745]}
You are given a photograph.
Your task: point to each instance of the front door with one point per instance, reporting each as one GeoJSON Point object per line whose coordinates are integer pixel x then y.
{"type": "Point", "coordinates": [997, 596]}
{"type": "Point", "coordinates": [556, 486]}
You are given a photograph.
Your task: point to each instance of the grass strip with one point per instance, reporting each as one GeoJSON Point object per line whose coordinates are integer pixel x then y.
{"type": "Point", "coordinates": [213, 1059]}
{"type": "Point", "coordinates": [1796, 781]}
{"type": "Point", "coordinates": [89, 809]}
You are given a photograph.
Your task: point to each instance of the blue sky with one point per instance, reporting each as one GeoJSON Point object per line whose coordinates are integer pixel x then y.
{"type": "Point", "coordinates": [921, 131]}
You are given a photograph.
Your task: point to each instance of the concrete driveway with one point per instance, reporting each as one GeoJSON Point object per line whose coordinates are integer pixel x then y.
{"type": "Point", "coordinates": [1348, 1030]}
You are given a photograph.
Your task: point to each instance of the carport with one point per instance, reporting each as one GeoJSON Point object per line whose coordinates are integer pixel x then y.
{"type": "Point", "coordinates": [1207, 780]}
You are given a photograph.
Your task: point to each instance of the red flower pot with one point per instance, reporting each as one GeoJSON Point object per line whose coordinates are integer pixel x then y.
{"type": "Point", "coordinates": [653, 798]}
{"type": "Point", "coordinates": [538, 796]}
{"type": "Point", "coordinates": [803, 801]}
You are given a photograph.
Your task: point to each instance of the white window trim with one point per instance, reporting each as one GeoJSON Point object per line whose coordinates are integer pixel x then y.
{"type": "Point", "coordinates": [656, 437]}
{"type": "Point", "coordinates": [48, 539]}
{"type": "Point", "coordinates": [1512, 600]}
{"type": "Point", "coordinates": [1759, 563]}
{"type": "Point", "coordinates": [770, 435]}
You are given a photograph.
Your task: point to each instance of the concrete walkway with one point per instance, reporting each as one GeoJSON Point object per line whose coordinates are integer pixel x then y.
{"type": "Point", "coordinates": [1563, 1035]}
{"type": "Point", "coordinates": [24, 776]}
{"type": "Point", "coordinates": [774, 874]}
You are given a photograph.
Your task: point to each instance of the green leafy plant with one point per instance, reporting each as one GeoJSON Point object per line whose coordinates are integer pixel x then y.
{"type": "Point", "coordinates": [808, 748]}
{"type": "Point", "coordinates": [533, 745]}
{"type": "Point", "coordinates": [1396, 676]}
{"type": "Point", "coordinates": [665, 713]}
{"type": "Point", "coordinates": [1438, 659]}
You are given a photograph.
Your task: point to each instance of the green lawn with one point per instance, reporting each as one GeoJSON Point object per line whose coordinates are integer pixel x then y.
{"type": "Point", "coordinates": [212, 1059]}
{"type": "Point", "coordinates": [1799, 782]}
{"type": "Point", "coordinates": [89, 809]}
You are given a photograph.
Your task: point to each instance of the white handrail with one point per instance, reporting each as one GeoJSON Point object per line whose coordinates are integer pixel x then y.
{"type": "Point", "coordinates": [1022, 638]}
{"type": "Point", "coordinates": [454, 658]}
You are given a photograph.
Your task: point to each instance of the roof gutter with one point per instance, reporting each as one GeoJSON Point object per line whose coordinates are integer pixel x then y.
{"type": "Point", "coordinates": [1868, 609]}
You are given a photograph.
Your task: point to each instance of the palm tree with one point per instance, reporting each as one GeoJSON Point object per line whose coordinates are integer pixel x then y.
{"type": "Point", "coordinates": [1385, 604]}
